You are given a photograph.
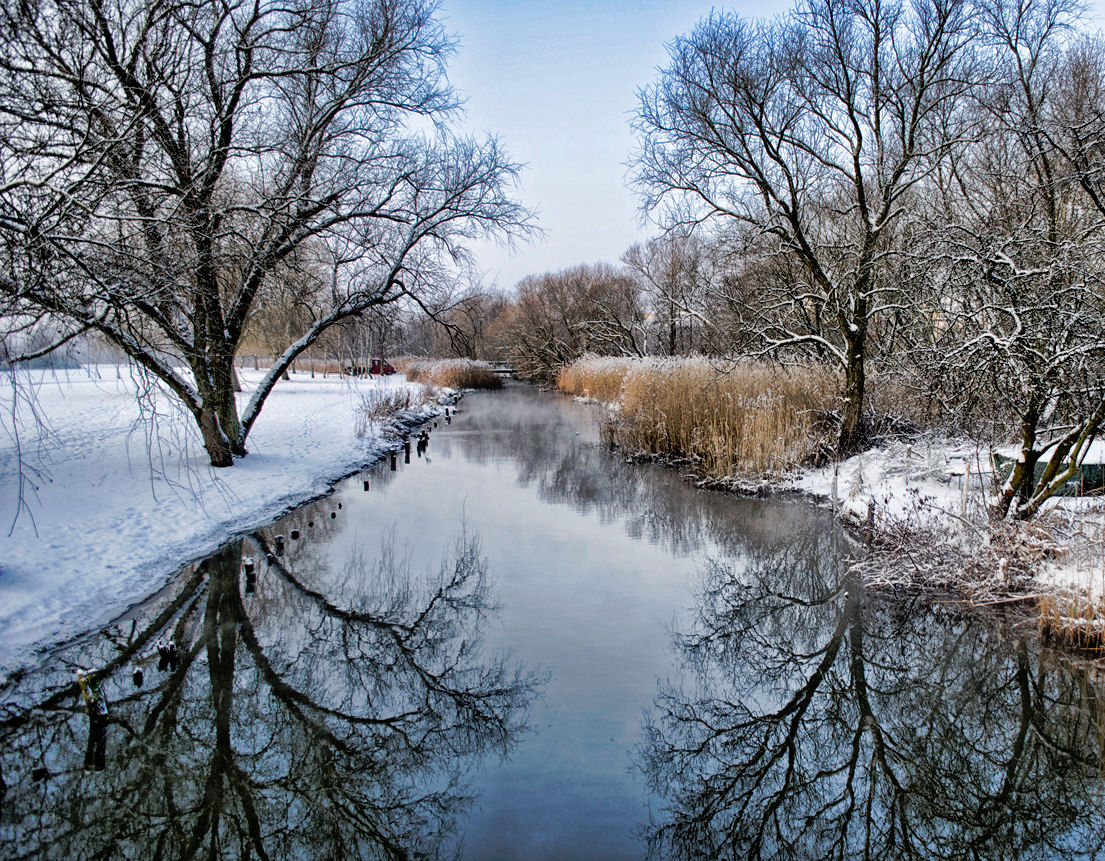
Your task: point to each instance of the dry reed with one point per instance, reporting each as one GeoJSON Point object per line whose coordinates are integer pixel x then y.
{"type": "Point", "coordinates": [744, 420]}
{"type": "Point", "coordinates": [1074, 613]}
{"type": "Point", "coordinates": [382, 405]}
{"type": "Point", "coordinates": [597, 377]}
{"type": "Point", "coordinates": [449, 373]}
{"type": "Point", "coordinates": [1074, 620]}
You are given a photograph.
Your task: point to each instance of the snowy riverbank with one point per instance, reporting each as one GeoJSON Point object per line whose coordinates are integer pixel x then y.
{"type": "Point", "coordinates": [925, 500]}
{"type": "Point", "coordinates": [943, 485]}
{"type": "Point", "coordinates": [116, 491]}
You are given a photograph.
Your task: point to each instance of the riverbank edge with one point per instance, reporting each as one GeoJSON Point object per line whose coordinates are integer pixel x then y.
{"type": "Point", "coordinates": [393, 430]}
{"type": "Point", "coordinates": [921, 548]}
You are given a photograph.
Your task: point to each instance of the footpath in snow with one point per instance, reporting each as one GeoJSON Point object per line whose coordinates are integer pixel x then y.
{"type": "Point", "coordinates": [104, 494]}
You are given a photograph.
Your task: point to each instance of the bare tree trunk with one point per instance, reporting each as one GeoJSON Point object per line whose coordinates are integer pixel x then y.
{"type": "Point", "coordinates": [855, 379]}
{"type": "Point", "coordinates": [226, 405]}
{"type": "Point", "coordinates": [1020, 482]}
{"type": "Point", "coordinates": [215, 442]}
{"type": "Point", "coordinates": [671, 329]}
{"type": "Point", "coordinates": [170, 223]}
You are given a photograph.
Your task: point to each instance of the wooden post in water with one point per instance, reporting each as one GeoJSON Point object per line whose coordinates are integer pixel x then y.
{"type": "Point", "coordinates": [836, 482]}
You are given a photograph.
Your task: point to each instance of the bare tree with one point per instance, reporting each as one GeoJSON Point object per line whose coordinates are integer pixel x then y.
{"type": "Point", "coordinates": [469, 321]}
{"type": "Point", "coordinates": [162, 160]}
{"type": "Point", "coordinates": [559, 316]}
{"type": "Point", "coordinates": [1017, 298]}
{"type": "Point", "coordinates": [675, 274]}
{"type": "Point", "coordinates": [284, 310]}
{"type": "Point", "coordinates": [459, 323]}
{"type": "Point", "coordinates": [808, 132]}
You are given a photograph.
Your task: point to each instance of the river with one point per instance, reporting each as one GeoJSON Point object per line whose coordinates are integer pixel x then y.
{"type": "Point", "coordinates": [511, 643]}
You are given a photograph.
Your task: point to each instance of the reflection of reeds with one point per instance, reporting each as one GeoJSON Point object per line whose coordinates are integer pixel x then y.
{"type": "Point", "coordinates": [450, 373]}
{"type": "Point", "coordinates": [745, 419]}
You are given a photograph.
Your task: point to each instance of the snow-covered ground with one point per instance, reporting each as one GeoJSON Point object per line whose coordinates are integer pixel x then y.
{"type": "Point", "coordinates": [950, 475]}
{"type": "Point", "coordinates": [947, 482]}
{"type": "Point", "coordinates": [104, 494]}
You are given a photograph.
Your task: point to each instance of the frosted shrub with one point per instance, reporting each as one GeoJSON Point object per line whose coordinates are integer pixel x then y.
{"type": "Point", "coordinates": [383, 404]}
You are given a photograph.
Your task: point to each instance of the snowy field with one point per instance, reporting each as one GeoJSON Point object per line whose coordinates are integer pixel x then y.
{"type": "Point", "coordinates": [113, 493]}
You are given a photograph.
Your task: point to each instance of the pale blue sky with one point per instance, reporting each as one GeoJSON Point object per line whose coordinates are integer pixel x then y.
{"type": "Point", "coordinates": [557, 81]}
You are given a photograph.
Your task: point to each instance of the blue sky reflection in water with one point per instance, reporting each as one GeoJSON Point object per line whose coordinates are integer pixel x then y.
{"type": "Point", "coordinates": [693, 656]}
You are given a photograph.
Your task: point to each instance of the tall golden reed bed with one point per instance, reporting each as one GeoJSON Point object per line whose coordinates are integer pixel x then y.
{"type": "Point", "coordinates": [744, 419]}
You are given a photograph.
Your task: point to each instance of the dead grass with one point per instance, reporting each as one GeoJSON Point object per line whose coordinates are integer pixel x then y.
{"type": "Point", "coordinates": [744, 420]}
{"type": "Point", "coordinates": [998, 564]}
{"type": "Point", "coordinates": [1073, 620]}
{"type": "Point", "coordinates": [597, 377]}
{"type": "Point", "coordinates": [449, 373]}
{"type": "Point", "coordinates": [986, 563]}
{"type": "Point", "coordinates": [1074, 614]}
{"type": "Point", "coordinates": [382, 405]}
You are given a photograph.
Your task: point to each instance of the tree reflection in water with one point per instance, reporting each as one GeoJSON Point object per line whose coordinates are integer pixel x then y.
{"type": "Point", "coordinates": [826, 722]}
{"type": "Point", "coordinates": [298, 722]}
{"type": "Point", "coordinates": [551, 443]}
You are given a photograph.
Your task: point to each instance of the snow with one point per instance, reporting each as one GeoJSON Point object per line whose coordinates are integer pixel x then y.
{"type": "Point", "coordinates": [1094, 453]}
{"type": "Point", "coordinates": [119, 493]}
{"type": "Point", "coordinates": [897, 474]}
{"type": "Point", "coordinates": [943, 480]}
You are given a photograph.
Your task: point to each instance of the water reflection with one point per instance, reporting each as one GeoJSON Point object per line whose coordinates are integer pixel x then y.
{"type": "Point", "coordinates": [325, 700]}
{"type": "Point", "coordinates": [305, 713]}
{"type": "Point", "coordinates": [827, 722]}
{"type": "Point", "coordinates": [553, 445]}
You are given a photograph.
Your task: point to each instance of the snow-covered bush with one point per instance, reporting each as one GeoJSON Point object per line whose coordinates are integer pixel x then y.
{"type": "Point", "coordinates": [381, 405]}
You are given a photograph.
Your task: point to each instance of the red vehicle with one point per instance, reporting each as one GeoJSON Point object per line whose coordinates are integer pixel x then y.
{"type": "Point", "coordinates": [375, 366]}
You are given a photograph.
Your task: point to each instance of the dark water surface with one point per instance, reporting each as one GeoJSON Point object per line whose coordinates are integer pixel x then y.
{"type": "Point", "coordinates": [519, 646]}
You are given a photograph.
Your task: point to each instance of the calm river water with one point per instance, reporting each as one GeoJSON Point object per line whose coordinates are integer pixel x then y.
{"type": "Point", "coordinates": [516, 645]}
